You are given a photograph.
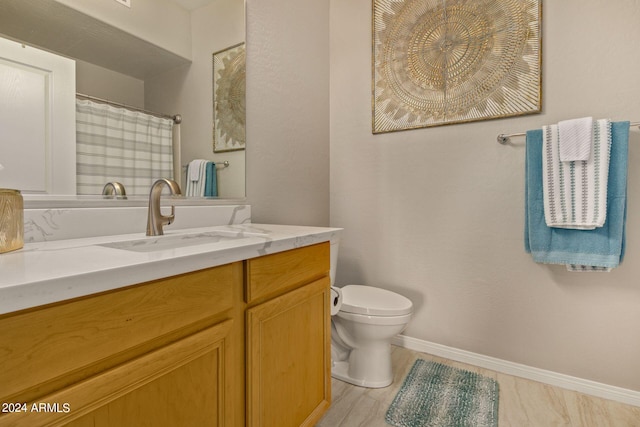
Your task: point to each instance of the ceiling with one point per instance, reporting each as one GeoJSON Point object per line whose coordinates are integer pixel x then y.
{"type": "Point", "coordinates": [57, 28]}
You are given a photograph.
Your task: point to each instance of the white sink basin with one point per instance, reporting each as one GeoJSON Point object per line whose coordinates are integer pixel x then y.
{"type": "Point", "coordinates": [175, 241]}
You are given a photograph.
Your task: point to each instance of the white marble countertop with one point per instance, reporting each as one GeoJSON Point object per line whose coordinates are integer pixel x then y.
{"type": "Point", "coordinates": [47, 272]}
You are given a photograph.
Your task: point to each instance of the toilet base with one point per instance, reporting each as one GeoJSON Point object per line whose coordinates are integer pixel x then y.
{"type": "Point", "coordinates": [340, 371]}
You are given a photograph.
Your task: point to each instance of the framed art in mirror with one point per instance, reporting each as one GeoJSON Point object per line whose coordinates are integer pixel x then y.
{"type": "Point", "coordinates": [229, 115]}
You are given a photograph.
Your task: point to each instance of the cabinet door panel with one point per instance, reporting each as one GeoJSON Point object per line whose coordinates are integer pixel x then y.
{"type": "Point", "coordinates": [181, 384]}
{"type": "Point", "coordinates": [173, 399]}
{"type": "Point", "coordinates": [288, 358]}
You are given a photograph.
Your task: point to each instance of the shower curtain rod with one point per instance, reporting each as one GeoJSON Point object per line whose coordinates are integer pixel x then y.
{"type": "Point", "coordinates": [176, 119]}
{"type": "Point", "coordinates": [505, 138]}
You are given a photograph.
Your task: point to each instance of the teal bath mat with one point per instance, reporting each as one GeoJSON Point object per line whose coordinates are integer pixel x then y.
{"type": "Point", "coordinates": [437, 395]}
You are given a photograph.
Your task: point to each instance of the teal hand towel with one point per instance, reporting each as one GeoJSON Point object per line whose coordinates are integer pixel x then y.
{"type": "Point", "coordinates": [211, 182]}
{"type": "Point", "coordinates": [600, 247]}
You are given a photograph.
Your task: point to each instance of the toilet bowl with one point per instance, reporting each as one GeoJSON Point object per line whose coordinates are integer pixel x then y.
{"type": "Point", "coordinates": [361, 334]}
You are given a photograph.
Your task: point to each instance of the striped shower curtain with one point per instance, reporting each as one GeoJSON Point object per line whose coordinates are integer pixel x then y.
{"type": "Point", "coordinates": [116, 144]}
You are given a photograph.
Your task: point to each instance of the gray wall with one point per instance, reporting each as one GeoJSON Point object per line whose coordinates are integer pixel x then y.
{"type": "Point", "coordinates": [437, 214]}
{"type": "Point", "coordinates": [288, 111]}
{"type": "Point", "coordinates": [97, 81]}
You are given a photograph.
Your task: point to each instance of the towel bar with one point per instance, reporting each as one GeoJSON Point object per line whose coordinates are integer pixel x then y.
{"type": "Point", "coordinates": [505, 138]}
{"type": "Point", "coordinates": [224, 164]}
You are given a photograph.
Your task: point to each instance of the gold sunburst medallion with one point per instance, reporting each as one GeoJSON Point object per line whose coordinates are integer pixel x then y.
{"type": "Point", "coordinates": [229, 78]}
{"type": "Point", "coordinates": [439, 62]}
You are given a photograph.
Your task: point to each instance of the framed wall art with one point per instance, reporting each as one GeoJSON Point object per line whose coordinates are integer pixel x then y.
{"type": "Point", "coordinates": [229, 86]}
{"type": "Point", "coordinates": [438, 62]}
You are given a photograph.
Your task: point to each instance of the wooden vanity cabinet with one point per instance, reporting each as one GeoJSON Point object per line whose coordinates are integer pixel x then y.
{"type": "Point", "coordinates": [164, 353]}
{"type": "Point", "coordinates": [246, 343]}
{"type": "Point", "coordinates": [288, 338]}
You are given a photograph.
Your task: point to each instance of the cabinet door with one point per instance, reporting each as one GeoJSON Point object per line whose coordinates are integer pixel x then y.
{"type": "Point", "coordinates": [38, 120]}
{"type": "Point", "coordinates": [288, 358]}
{"type": "Point", "coordinates": [181, 384]}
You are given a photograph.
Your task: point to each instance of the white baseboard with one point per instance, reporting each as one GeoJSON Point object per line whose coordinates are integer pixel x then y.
{"type": "Point", "coordinates": [592, 388]}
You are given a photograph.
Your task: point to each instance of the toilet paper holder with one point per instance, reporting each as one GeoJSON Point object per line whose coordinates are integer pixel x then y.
{"type": "Point", "coordinates": [336, 300]}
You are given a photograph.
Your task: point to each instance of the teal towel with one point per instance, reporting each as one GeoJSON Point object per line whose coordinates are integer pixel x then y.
{"type": "Point", "coordinates": [211, 181]}
{"type": "Point", "coordinates": [601, 247]}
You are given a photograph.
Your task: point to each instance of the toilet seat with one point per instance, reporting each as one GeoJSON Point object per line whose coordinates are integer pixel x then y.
{"type": "Point", "coordinates": [375, 320]}
{"type": "Point", "coordinates": [370, 301]}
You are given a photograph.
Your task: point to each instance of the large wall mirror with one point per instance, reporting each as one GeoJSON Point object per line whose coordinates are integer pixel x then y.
{"type": "Point", "coordinates": [153, 55]}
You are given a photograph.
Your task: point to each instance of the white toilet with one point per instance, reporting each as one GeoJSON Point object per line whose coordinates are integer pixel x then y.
{"type": "Point", "coordinates": [361, 332]}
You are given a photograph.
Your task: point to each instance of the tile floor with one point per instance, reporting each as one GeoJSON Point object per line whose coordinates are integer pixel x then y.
{"type": "Point", "coordinates": [523, 402]}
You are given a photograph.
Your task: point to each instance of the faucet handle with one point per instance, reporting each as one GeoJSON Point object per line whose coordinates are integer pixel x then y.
{"type": "Point", "coordinates": [171, 217]}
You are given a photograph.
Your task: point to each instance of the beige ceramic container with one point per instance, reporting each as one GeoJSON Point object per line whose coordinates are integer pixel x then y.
{"type": "Point", "coordinates": [11, 220]}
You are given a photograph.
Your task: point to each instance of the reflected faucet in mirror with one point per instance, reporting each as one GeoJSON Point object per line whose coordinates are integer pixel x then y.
{"type": "Point", "coordinates": [114, 189]}
{"type": "Point", "coordinates": [155, 219]}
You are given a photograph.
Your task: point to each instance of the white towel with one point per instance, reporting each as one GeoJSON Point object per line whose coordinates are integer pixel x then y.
{"type": "Point", "coordinates": [575, 193]}
{"type": "Point", "coordinates": [575, 139]}
{"type": "Point", "coordinates": [196, 177]}
{"type": "Point", "coordinates": [194, 169]}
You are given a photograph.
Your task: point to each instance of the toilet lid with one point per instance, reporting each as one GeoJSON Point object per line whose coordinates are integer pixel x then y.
{"type": "Point", "coordinates": [373, 301]}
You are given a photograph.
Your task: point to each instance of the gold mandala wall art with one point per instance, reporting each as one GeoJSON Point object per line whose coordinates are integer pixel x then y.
{"type": "Point", "coordinates": [439, 62]}
{"type": "Point", "coordinates": [229, 116]}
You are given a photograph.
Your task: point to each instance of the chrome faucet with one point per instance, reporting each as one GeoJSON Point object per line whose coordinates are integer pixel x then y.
{"type": "Point", "coordinates": [114, 188]}
{"type": "Point", "coordinates": [155, 219]}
